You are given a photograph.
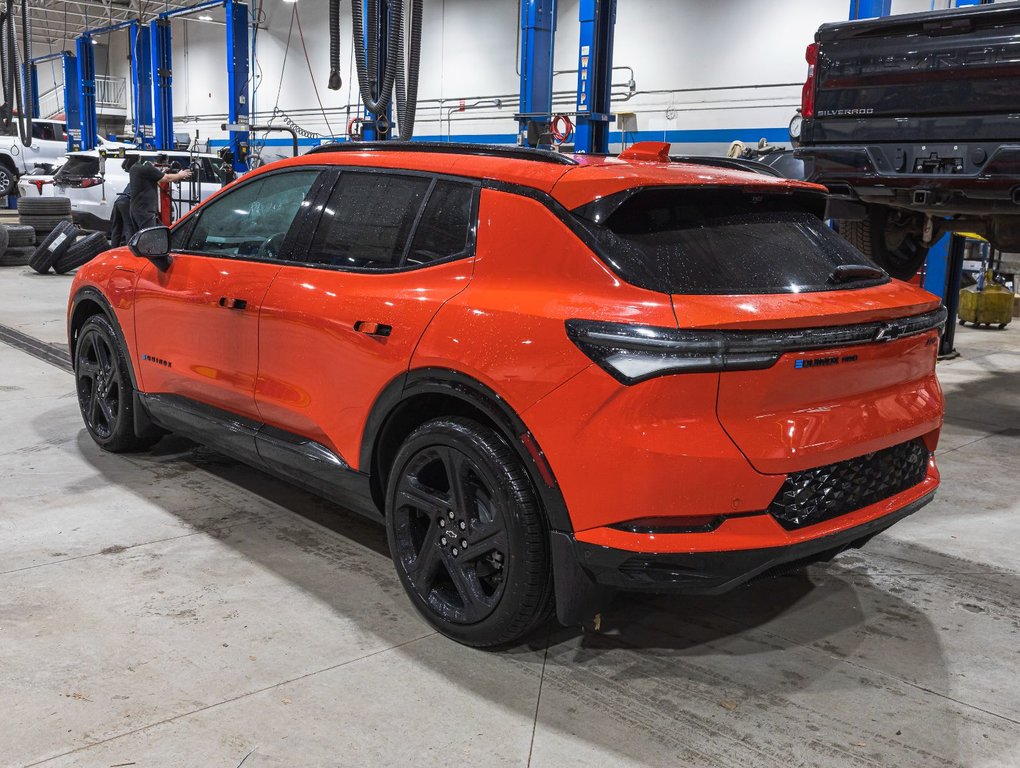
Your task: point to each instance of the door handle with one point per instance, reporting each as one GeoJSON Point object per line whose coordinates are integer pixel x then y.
{"type": "Point", "coordinates": [372, 329]}
{"type": "Point", "coordinates": [229, 303]}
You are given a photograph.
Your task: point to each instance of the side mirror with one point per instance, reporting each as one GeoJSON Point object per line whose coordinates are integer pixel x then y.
{"type": "Point", "coordinates": [153, 244]}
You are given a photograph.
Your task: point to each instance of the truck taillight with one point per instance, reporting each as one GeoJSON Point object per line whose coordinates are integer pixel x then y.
{"type": "Point", "coordinates": [807, 97]}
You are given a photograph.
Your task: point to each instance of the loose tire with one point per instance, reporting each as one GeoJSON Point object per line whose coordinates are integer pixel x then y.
{"type": "Point", "coordinates": [44, 206]}
{"type": "Point", "coordinates": [20, 235]}
{"type": "Point", "coordinates": [453, 482]}
{"type": "Point", "coordinates": [81, 252]}
{"type": "Point", "coordinates": [44, 224]}
{"type": "Point", "coordinates": [4, 241]}
{"type": "Point", "coordinates": [103, 385]}
{"type": "Point", "coordinates": [52, 247]}
{"type": "Point", "coordinates": [900, 253]}
{"type": "Point", "coordinates": [16, 257]}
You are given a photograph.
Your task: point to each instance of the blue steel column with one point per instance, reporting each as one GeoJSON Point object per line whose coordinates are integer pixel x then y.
{"type": "Point", "coordinates": [237, 80]}
{"type": "Point", "coordinates": [141, 84]}
{"type": "Point", "coordinates": [162, 79]}
{"type": "Point", "coordinates": [72, 102]}
{"type": "Point", "coordinates": [86, 75]}
{"type": "Point", "coordinates": [870, 9]}
{"type": "Point", "coordinates": [538, 36]}
{"type": "Point", "coordinates": [595, 76]}
{"type": "Point", "coordinates": [383, 6]}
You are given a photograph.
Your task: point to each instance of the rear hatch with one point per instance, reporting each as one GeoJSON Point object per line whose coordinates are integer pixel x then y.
{"type": "Point", "coordinates": [79, 179]}
{"type": "Point", "coordinates": [878, 80]}
{"type": "Point", "coordinates": [821, 357]}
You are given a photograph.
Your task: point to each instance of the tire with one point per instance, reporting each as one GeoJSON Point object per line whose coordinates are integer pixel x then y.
{"type": "Point", "coordinates": [52, 247]}
{"type": "Point", "coordinates": [496, 590]}
{"type": "Point", "coordinates": [4, 241]}
{"type": "Point", "coordinates": [16, 257]}
{"type": "Point", "coordinates": [44, 206]}
{"type": "Point", "coordinates": [901, 254]}
{"type": "Point", "coordinates": [81, 252]}
{"type": "Point", "coordinates": [103, 385]}
{"type": "Point", "coordinates": [20, 235]}
{"type": "Point", "coordinates": [8, 180]}
{"type": "Point", "coordinates": [43, 224]}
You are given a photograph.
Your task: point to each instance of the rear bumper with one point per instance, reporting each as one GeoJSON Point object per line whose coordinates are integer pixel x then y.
{"type": "Point", "coordinates": [717, 572]}
{"type": "Point", "coordinates": [976, 177]}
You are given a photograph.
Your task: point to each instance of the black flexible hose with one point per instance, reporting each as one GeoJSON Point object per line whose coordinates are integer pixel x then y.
{"type": "Point", "coordinates": [368, 70]}
{"type": "Point", "coordinates": [334, 45]}
{"type": "Point", "coordinates": [407, 103]}
{"type": "Point", "coordinates": [25, 105]}
{"type": "Point", "coordinates": [5, 83]}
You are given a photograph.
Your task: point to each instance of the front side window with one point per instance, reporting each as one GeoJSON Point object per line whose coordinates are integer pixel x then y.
{"type": "Point", "coordinates": [253, 219]}
{"type": "Point", "coordinates": [368, 220]}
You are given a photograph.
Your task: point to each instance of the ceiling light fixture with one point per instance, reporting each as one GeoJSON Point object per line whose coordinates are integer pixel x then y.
{"type": "Point", "coordinates": [205, 17]}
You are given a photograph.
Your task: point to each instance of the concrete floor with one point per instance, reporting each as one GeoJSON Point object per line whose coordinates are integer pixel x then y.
{"type": "Point", "coordinates": [179, 609]}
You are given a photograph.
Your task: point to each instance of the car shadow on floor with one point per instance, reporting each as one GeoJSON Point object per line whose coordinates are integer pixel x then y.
{"type": "Point", "coordinates": [781, 639]}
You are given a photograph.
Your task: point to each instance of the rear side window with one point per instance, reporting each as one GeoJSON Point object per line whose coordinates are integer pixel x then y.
{"type": "Point", "coordinates": [724, 241]}
{"type": "Point", "coordinates": [368, 220]}
{"type": "Point", "coordinates": [445, 226]}
{"type": "Point", "coordinates": [254, 218]}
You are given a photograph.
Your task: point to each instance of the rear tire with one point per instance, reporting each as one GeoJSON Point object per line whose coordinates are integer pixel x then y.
{"type": "Point", "coordinates": [453, 481]}
{"type": "Point", "coordinates": [899, 252]}
{"type": "Point", "coordinates": [103, 384]}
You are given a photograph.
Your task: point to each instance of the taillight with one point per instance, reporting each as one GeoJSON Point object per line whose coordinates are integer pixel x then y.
{"type": "Point", "coordinates": [94, 181]}
{"type": "Point", "coordinates": [807, 96]}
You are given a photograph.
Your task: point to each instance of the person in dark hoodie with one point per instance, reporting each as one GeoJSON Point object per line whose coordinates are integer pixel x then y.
{"type": "Point", "coordinates": [145, 180]}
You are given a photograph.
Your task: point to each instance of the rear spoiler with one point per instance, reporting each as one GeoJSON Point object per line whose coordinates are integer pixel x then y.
{"type": "Point", "coordinates": [730, 163]}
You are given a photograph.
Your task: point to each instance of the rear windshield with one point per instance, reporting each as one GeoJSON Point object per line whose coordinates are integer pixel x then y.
{"type": "Point", "coordinates": [698, 241]}
{"type": "Point", "coordinates": [77, 168]}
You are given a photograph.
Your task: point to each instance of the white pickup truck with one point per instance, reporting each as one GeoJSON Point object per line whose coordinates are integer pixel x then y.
{"type": "Point", "coordinates": [49, 145]}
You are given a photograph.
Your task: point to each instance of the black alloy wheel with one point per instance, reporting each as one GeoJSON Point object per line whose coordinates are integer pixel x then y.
{"type": "Point", "coordinates": [467, 535]}
{"type": "Point", "coordinates": [105, 392]}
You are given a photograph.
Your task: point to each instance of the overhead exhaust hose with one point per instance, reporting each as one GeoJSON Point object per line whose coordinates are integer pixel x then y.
{"type": "Point", "coordinates": [25, 104]}
{"type": "Point", "coordinates": [334, 45]}
{"type": "Point", "coordinates": [407, 102]}
{"type": "Point", "coordinates": [12, 76]}
{"type": "Point", "coordinates": [368, 73]}
{"type": "Point", "coordinates": [7, 110]}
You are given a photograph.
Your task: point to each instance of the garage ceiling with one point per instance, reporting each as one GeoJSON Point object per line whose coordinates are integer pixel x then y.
{"type": "Point", "coordinates": [55, 22]}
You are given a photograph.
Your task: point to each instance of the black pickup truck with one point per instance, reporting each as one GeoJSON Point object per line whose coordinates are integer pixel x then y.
{"type": "Point", "coordinates": [913, 123]}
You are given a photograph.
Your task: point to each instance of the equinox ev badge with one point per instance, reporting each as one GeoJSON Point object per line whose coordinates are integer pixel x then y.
{"type": "Point", "coordinates": [824, 362]}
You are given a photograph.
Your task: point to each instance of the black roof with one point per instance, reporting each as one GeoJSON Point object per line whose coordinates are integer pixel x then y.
{"type": "Point", "coordinates": [452, 148]}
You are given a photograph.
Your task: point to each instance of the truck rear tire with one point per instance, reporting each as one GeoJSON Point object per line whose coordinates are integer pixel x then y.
{"type": "Point", "coordinates": [898, 251]}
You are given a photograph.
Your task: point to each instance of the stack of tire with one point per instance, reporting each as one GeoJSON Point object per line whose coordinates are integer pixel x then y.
{"type": "Point", "coordinates": [66, 248]}
{"type": "Point", "coordinates": [17, 244]}
{"type": "Point", "coordinates": [43, 213]}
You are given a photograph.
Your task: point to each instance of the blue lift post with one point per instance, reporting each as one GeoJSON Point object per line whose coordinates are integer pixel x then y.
{"type": "Point", "coordinates": [86, 74]}
{"type": "Point", "coordinates": [869, 9]}
{"type": "Point", "coordinates": [141, 86]}
{"type": "Point", "coordinates": [370, 132]}
{"type": "Point", "coordinates": [595, 76]}
{"type": "Point", "coordinates": [538, 33]}
{"type": "Point", "coordinates": [237, 75]}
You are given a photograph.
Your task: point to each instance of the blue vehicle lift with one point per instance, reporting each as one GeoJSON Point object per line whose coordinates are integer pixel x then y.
{"type": "Point", "coordinates": [594, 70]}
{"type": "Point", "coordinates": [72, 94]}
{"type": "Point", "coordinates": [595, 76]}
{"type": "Point", "coordinates": [538, 37]}
{"type": "Point", "coordinates": [238, 109]}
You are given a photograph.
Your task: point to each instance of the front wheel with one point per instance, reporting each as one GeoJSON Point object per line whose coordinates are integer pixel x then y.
{"type": "Point", "coordinates": [467, 534]}
{"type": "Point", "coordinates": [105, 393]}
{"type": "Point", "coordinates": [8, 181]}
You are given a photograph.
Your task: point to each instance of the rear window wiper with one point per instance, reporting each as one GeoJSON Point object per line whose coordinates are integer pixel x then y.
{"type": "Point", "coordinates": [846, 272]}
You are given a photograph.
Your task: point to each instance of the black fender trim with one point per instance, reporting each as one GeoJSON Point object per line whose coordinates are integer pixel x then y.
{"type": "Point", "coordinates": [456, 384]}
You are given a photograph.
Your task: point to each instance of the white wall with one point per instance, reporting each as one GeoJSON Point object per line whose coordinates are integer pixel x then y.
{"type": "Point", "coordinates": [687, 56]}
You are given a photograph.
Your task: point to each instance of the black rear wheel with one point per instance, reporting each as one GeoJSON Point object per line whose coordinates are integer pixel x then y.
{"type": "Point", "coordinates": [892, 244]}
{"type": "Point", "coordinates": [467, 534]}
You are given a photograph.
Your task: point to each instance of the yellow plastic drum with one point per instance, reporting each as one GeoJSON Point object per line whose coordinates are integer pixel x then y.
{"type": "Point", "coordinates": [992, 306]}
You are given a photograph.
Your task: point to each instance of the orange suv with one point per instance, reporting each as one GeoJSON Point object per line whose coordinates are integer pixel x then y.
{"type": "Point", "coordinates": [552, 377]}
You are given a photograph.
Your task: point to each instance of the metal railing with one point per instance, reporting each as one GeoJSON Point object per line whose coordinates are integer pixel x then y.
{"type": "Point", "coordinates": [110, 92]}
